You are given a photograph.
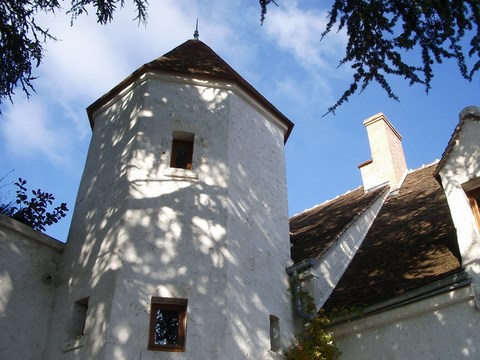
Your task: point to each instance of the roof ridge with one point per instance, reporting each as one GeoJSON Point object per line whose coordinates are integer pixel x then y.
{"type": "Point", "coordinates": [424, 166]}
{"type": "Point", "coordinates": [358, 214]}
{"type": "Point", "coordinates": [326, 201]}
{"type": "Point", "coordinates": [409, 171]}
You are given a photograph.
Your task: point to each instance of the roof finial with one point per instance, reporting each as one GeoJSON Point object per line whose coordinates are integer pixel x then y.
{"type": "Point", "coordinates": [195, 34]}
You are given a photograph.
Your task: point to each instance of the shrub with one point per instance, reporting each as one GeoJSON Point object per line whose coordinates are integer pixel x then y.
{"type": "Point", "coordinates": [314, 343]}
{"type": "Point", "coordinates": [33, 211]}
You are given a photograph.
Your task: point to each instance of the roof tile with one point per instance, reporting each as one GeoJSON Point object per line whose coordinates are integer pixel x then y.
{"type": "Point", "coordinates": [314, 231]}
{"type": "Point", "coordinates": [411, 243]}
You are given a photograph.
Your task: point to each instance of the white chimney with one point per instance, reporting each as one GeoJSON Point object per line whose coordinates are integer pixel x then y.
{"type": "Point", "coordinates": [388, 161]}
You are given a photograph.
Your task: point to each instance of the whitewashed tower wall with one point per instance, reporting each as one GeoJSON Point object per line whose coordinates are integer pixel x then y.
{"type": "Point", "coordinates": [216, 235]}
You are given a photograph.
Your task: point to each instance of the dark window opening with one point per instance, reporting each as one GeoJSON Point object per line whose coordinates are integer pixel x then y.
{"type": "Point", "coordinates": [167, 324]}
{"type": "Point", "coordinates": [182, 154]}
{"type": "Point", "coordinates": [275, 344]}
{"type": "Point", "coordinates": [80, 309]}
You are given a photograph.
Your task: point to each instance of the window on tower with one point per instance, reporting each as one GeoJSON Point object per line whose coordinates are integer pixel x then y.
{"type": "Point", "coordinates": [275, 344]}
{"type": "Point", "coordinates": [77, 327]}
{"type": "Point", "coordinates": [182, 150]}
{"type": "Point", "coordinates": [168, 322]}
{"type": "Point", "coordinates": [80, 309]}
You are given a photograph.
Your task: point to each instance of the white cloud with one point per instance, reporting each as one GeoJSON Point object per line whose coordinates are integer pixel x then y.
{"type": "Point", "coordinates": [30, 130]}
{"type": "Point", "coordinates": [83, 61]}
{"type": "Point", "coordinates": [77, 118]}
{"type": "Point", "coordinates": [87, 60]}
{"type": "Point", "coordinates": [299, 31]}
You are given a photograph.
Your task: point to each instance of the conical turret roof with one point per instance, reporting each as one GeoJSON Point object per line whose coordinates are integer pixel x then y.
{"type": "Point", "coordinates": [193, 58]}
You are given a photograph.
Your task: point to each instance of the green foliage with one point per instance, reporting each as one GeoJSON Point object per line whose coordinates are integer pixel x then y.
{"type": "Point", "coordinates": [33, 211]}
{"type": "Point", "coordinates": [314, 343]}
{"type": "Point", "coordinates": [22, 39]}
{"type": "Point", "coordinates": [382, 34]}
{"type": "Point", "coordinates": [20, 43]}
{"type": "Point", "coordinates": [307, 300]}
{"type": "Point", "coordinates": [345, 312]}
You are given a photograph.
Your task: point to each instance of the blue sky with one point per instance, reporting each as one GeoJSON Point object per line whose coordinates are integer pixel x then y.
{"type": "Point", "coordinates": [45, 139]}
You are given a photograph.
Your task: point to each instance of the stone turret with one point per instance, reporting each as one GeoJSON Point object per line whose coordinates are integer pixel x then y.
{"type": "Point", "coordinates": [179, 238]}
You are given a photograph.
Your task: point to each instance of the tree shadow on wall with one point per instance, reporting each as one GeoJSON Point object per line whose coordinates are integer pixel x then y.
{"type": "Point", "coordinates": [140, 229]}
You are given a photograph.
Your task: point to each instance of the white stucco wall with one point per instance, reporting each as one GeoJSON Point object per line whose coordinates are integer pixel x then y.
{"type": "Point", "coordinates": [257, 232]}
{"type": "Point", "coordinates": [142, 229]}
{"type": "Point", "coordinates": [28, 264]}
{"type": "Point", "coordinates": [463, 164]}
{"type": "Point", "coordinates": [443, 327]}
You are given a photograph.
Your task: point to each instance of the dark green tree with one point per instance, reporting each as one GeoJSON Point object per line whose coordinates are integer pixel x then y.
{"type": "Point", "coordinates": [22, 38]}
{"type": "Point", "coordinates": [385, 37]}
{"type": "Point", "coordinates": [404, 38]}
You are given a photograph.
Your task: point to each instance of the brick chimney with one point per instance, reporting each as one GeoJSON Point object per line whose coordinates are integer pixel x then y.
{"type": "Point", "coordinates": [388, 161]}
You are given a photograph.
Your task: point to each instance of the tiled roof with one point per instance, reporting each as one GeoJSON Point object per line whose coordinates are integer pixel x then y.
{"type": "Point", "coordinates": [193, 57]}
{"type": "Point", "coordinates": [314, 231]}
{"type": "Point", "coordinates": [411, 243]}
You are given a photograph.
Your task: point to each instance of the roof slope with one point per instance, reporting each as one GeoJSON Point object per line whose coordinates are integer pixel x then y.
{"type": "Point", "coordinates": [411, 243]}
{"type": "Point", "coordinates": [314, 231]}
{"type": "Point", "coordinates": [193, 57]}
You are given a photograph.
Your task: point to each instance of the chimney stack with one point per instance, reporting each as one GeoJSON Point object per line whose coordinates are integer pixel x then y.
{"type": "Point", "coordinates": [388, 161]}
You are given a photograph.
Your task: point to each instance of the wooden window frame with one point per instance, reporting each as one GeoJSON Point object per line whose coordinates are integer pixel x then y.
{"type": "Point", "coordinates": [175, 304]}
{"type": "Point", "coordinates": [473, 198]}
{"type": "Point", "coordinates": [472, 190]}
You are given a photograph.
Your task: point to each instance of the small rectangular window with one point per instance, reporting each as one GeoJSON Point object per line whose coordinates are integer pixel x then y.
{"type": "Point", "coordinates": [80, 309]}
{"type": "Point", "coordinates": [182, 150]}
{"type": "Point", "coordinates": [182, 153]}
{"type": "Point", "coordinates": [76, 330]}
{"type": "Point", "coordinates": [275, 344]}
{"type": "Point", "coordinates": [168, 322]}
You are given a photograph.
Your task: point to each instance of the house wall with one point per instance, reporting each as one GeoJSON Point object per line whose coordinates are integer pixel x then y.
{"type": "Point", "coordinates": [463, 164]}
{"type": "Point", "coordinates": [141, 229]}
{"type": "Point", "coordinates": [28, 263]}
{"type": "Point", "coordinates": [441, 327]}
